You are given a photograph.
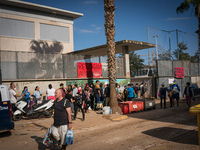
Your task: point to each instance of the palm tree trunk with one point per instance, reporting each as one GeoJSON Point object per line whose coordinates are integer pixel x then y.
{"type": "Point", "coordinates": [198, 11]}
{"type": "Point", "coordinates": [110, 36]}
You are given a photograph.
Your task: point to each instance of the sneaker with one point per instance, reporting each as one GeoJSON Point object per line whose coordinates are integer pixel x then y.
{"type": "Point", "coordinates": [63, 147]}
{"type": "Point", "coordinates": [173, 108]}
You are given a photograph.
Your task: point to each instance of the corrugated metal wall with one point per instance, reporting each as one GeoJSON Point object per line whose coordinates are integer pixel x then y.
{"type": "Point", "coordinates": [166, 70]}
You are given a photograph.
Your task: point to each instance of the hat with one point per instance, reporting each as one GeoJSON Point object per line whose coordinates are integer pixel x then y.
{"type": "Point", "coordinates": [80, 88]}
{"type": "Point", "coordinates": [106, 83]}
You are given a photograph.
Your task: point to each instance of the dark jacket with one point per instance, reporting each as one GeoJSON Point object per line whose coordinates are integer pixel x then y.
{"type": "Point", "coordinates": [163, 91]}
{"type": "Point", "coordinates": [190, 91]}
{"type": "Point", "coordinates": [107, 91]}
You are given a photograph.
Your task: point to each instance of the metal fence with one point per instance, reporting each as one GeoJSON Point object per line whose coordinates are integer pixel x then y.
{"type": "Point", "coordinates": [27, 65]}
{"type": "Point", "coordinates": [166, 70]}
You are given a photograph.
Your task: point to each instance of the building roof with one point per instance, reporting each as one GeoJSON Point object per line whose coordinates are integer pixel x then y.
{"type": "Point", "coordinates": [102, 51]}
{"type": "Point", "coordinates": [41, 8]}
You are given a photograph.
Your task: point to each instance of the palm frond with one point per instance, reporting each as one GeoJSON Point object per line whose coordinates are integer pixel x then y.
{"type": "Point", "coordinates": [183, 7]}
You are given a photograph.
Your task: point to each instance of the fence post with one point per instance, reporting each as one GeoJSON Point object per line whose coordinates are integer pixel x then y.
{"type": "Point", "coordinates": [17, 72]}
{"type": "Point", "coordinates": [63, 61]}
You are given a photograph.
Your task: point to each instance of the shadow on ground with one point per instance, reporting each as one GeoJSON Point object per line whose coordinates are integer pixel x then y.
{"type": "Point", "coordinates": [174, 135]}
{"type": "Point", "coordinates": [5, 134]}
{"type": "Point", "coordinates": [168, 115]}
{"type": "Point", "coordinates": [41, 146]}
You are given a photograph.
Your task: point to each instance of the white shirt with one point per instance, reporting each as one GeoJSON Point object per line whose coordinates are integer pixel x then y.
{"type": "Point", "coordinates": [12, 94]}
{"type": "Point", "coordinates": [75, 91]}
{"type": "Point", "coordinates": [141, 88]}
{"type": "Point", "coordinates": [50, 92]}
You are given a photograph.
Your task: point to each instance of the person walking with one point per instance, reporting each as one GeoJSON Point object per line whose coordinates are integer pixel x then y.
{"type": "Point", "coordinates": [188, 92]}
{"type": "Point", "coordinates": [163, 90]}
{"type": "Point", "coordinates": [62, 118]}
{"type": "Point", "coordinates": [87, 99]}
{"type": "Point", "coordinates": [13, 96]}
{"type": "Point", "coordinates": [175, 94]}
{"type": "Point", "coordinates": [130, 92]}
{"type": "Point", "coordinates": [50, 92]}
{"type": "Point", "coordinates": [79, 104]}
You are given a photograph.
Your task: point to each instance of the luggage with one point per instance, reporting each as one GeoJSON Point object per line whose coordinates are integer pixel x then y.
{"type": "Point", "coordinates": [149, 103]}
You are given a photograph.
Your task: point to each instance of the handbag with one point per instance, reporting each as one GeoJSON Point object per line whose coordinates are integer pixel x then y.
{"type": "Point", "coordinates": [47, 137]}
{"type": "Point", "coordinates": [159, 93]}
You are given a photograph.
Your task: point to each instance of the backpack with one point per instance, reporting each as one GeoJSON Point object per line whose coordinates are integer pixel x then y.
{"type": "Point", "coordinates": [175, 90]}
{"type": "Point", "coordinates": [79, 99]}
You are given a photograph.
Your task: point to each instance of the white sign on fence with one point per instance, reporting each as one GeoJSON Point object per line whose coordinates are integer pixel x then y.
{"type": "Point", "coordinates": [171, 81]}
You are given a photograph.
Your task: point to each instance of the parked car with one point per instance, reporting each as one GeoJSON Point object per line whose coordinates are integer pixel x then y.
{"type": "Point", "coordinates": [196, 89]}
{"type": "Point", "coordinates": [5, 110]}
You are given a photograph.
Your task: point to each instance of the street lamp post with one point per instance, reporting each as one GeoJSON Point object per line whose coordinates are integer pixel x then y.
{"type": "Point", "coordinates": [156, 47]}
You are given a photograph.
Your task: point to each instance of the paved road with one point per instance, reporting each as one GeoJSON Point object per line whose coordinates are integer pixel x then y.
{"type": "Point", "coordinates": [160, 129]}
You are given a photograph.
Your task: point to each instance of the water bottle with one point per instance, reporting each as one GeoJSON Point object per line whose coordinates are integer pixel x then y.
{"type": "Point", "coordinates": [111, 111]}
{"type": "Point", "coordinates": [69, 137]}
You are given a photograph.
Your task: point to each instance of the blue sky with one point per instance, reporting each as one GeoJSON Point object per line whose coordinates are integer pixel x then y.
{"type": "Point", "coordinates": [131, 20]}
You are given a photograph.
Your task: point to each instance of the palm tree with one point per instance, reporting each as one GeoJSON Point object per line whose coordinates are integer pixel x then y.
{"type": "Point", "coordinates": [110, 36]}
{"type": "Point", "coordinates": [185, 6]}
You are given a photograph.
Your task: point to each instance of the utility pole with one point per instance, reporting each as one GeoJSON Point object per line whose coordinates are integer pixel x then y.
{"type": "Point", "coordinates": [177, 42]}
{"type": "Point", "coordinates": [156, 47]}
{"type": "Point", "coordinates": [170, 47]}
{"type": "Point", "coordinates": [148, 42]}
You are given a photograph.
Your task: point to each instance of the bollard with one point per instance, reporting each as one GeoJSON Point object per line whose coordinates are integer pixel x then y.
{"type": "Point", "coordinates": [196, 110]}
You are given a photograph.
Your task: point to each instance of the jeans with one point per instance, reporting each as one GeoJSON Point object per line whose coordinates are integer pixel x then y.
{"type": "Point", "coordinates": [76, 110]}
{"type": "Point", "coordinates": [164, 101]}
{"type": "Point", "coordinates": [97, 98]}
{"type": "Point", "coordinates": [130, 98]}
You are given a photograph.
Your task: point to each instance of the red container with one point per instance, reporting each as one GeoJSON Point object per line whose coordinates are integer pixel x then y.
{"type": "Point", "coordinates": [132, 106]}
{"type": "Point", "coordinates": [125, 110]}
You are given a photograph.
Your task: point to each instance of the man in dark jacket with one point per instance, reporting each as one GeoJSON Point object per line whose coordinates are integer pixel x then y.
{"type": "Point", "coordinates": [188, 92]}
{"type": "Point", "coordinates": [107, 93]}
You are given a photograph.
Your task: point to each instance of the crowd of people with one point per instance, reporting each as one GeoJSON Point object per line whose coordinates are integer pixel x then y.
{"type": "Point", "coordinates": [72, 98]}
{"type": "Point", "coordinates": [174, 94]}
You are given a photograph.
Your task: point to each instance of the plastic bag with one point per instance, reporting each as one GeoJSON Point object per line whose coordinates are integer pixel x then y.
{"type": "Point", "coordinates": [47, 137]}
{"type": "Point", "coordinates": [69, 137]}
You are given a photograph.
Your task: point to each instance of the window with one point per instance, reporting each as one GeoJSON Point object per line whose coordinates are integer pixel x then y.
{"type": "Point", "coordinates": [54, 33]}
{"type": "Point", "coordinates": [16, 28]}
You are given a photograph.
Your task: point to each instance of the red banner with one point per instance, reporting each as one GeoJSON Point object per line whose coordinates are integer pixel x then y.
{"type": "Point", "coordinates": [89, 70]}
{"type": "Point", "coordinates": [179, 72]}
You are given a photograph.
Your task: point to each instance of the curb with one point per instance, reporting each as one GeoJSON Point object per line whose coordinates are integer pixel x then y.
{"type": "Point", "coordinates": [120, 118]}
